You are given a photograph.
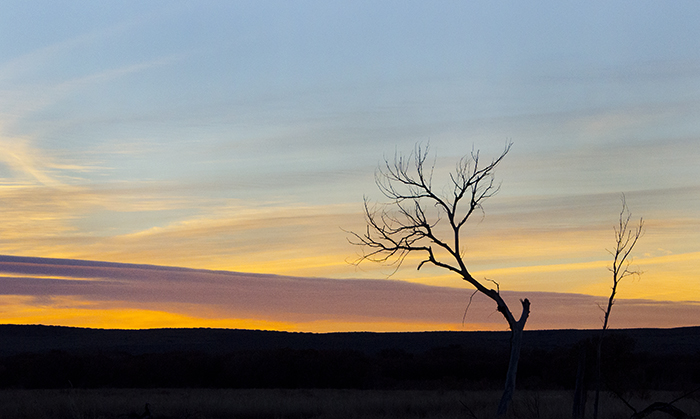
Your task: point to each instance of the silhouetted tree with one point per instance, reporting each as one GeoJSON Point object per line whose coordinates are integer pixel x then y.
{"type": "Point", "coordinates": [626, 237]}
{"type": "Point", "coordinates": [411, 222]}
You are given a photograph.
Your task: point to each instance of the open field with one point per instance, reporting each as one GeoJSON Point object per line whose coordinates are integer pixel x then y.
{"type": "Point", "coordinates": [66, 373]}
{"type": "Point", "coordinates": [298, 404]}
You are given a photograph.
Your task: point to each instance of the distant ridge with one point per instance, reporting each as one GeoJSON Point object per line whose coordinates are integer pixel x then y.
{"type": "Point", "coordinates": [16, 339]}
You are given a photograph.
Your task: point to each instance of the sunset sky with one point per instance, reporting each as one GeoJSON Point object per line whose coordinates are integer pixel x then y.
{"type": "Point", "coordinates": [241, 136]}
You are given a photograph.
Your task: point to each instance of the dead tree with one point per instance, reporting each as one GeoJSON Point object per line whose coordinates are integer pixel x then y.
{"type": "Point", "coordinates": [420, 219]}
{"type": "Point", "coordinates": [626, 237]}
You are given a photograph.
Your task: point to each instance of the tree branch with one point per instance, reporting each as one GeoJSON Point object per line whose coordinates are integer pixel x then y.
{"type": "Point", "coordinates": [404, 224]}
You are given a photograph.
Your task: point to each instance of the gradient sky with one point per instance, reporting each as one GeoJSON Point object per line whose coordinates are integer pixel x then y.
{"type": "Point", "coordinates": [242, 136]}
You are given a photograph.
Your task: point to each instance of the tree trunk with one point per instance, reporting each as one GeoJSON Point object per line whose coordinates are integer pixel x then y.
{"type": "Point", "coordinates": [580, 392]}
{"type": "Point", "coordinates": [515, 345]}
{"type": "Point", "coordinates": [516, 342]}
{"type": "Point", "coordinates": [599, 368]}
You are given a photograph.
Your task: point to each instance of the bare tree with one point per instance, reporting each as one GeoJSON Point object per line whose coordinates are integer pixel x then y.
{"type": "Point", "coordinates": [418, 219]}
{"type": "Point", "coordinates": [626, 237]}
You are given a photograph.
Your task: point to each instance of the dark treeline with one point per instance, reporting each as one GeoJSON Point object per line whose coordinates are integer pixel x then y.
{"type": "Point", "coordinates": [447, 367]}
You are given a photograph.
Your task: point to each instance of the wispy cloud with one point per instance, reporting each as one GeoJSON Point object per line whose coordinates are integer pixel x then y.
{"type": "Point", "coordinates": [290, 239]}
{"type": "Point", "coordinates": [43, 56]}
{"type": "Point", "coordinates": [536, 245]}
{"type": "Point", "coordinates": [19, 104]}
{"type": "Point", "coordinates": [31, 164]}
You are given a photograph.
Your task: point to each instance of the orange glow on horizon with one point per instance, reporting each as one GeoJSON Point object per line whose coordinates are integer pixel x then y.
{"type": "Point", "coordinates": [135, 319]}
{"type": "Point", "coordinates": [124, 319]}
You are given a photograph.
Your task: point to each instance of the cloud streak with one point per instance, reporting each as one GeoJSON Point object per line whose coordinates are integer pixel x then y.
{"type": "Point", "coordinates": [55, 287]}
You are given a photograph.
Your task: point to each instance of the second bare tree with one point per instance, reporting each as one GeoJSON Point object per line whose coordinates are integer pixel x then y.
{"type": "Point", "coordinates": [626, 237]}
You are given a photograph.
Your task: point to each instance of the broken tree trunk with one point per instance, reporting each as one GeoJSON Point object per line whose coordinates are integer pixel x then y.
{"type": "Point", "coordinates": [516, 341]}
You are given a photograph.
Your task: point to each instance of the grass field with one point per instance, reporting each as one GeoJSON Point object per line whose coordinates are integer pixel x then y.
{"type": "Point", "coordinates": [301, 404]}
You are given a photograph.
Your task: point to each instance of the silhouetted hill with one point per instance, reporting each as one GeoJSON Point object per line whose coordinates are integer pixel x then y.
{"type": "Point", "coordinates": [60, 357]}
{"type": "Point", "coordinates": [34, 338]}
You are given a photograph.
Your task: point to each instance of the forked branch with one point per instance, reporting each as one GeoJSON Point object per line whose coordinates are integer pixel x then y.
{"type": "Point", "coordinates": [626, 238]}
{"type": "Point", "coordinates": [407, 221]}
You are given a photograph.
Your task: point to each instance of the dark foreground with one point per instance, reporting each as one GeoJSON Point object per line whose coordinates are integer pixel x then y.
{"type": "Point", "coordinates": [300, 404]}
{"type": "Point", "coordinates": [58, 372]}
{"type": "Point", "coordinates": [41, 357]}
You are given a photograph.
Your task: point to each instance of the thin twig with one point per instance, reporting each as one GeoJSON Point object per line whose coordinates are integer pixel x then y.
{"type": "Point", "coordinates": [466, 309]}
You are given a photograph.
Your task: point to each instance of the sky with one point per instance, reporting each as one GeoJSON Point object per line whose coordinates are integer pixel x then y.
{"type": "Point", "coordinates": [242, 136]}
